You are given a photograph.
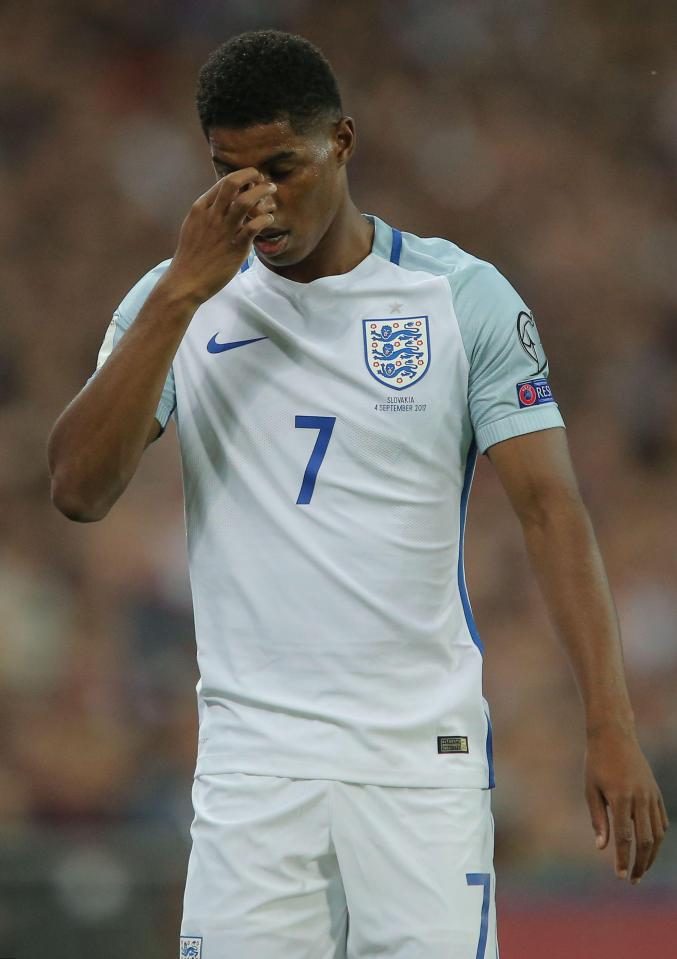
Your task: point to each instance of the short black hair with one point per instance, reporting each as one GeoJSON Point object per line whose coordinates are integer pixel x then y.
{"type": "Point", "coordinates": [263, 76]}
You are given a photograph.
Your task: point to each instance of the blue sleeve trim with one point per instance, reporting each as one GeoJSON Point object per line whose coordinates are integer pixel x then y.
{"type": "Point", "coordinates": [396, 248]}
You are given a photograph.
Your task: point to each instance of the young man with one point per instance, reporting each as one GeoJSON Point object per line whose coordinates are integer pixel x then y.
{"type": "Point", "coordinates": [331, 387]}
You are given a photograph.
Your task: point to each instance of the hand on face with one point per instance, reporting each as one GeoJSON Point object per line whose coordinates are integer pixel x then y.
{"type": "Point", "coordinates": [218, 232]}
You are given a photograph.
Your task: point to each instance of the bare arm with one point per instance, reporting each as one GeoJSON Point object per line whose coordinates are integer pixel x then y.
{"type": "Point", "coordinates": [96, 444]}
{"type": "Point", "coordinates": [538, 477]}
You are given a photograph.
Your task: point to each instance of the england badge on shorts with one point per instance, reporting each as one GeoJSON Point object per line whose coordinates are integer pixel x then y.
{"type": "Point", "coordinates": [397, 351]}
{"type": "Point", "coordinates": [190, 947]}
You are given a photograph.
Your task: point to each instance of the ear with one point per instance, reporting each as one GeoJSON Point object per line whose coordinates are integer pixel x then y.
{"type": "Point", "coordinates": [345, 139]}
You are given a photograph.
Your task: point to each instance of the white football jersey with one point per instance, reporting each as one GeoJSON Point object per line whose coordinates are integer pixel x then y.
{"type": "Point", "coordinates": [328, 435]}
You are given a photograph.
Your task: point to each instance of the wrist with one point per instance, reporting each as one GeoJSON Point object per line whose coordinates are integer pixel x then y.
{"type": "Point", "coordinates": [175, 297]}
{"type": "Point", "coordinates": [608, 723]}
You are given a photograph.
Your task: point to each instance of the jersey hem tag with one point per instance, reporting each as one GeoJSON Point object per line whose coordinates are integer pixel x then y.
{"type": "Point", "coordinates": [452, 744]}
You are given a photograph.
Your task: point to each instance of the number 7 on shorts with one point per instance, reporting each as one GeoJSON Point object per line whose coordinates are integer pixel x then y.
{"type": "Point", "coordinates": [481, 879]}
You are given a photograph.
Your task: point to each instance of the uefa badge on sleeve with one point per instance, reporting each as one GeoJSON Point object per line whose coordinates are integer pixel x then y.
{"type": "Point", "coordinates": [397, 352]}
{"type": "Point", "coordinates": [190, 947]}
{"type": "Point", "coordinates": [534, 393]}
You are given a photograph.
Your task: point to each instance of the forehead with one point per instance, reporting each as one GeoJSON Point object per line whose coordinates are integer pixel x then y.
{"type": "Point", "coordinates": [253, 145]}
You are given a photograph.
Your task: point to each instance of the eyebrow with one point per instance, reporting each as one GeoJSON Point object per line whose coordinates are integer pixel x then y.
{"type": "Point", "coordinates": [269, 161]}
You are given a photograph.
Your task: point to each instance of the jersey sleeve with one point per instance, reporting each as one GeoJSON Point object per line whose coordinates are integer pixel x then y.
{"type": "Point", "coordinates": [123, 317]}
{"type": "Point", "coordinates": [508, 390]}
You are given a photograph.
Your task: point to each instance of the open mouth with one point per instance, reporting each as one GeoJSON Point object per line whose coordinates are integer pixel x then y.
{"type": "Point", "coordinates": [271, 241]}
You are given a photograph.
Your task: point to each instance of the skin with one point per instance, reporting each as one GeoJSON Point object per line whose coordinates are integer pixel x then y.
{"type": "Point", "coordinates": [270, 176]}
{"type": "Point", "coordinates": [96, 444]}
{"type": "Point", "coordinates": [536, 473]}
{"type": "Point", "coordinates": [328, 233]}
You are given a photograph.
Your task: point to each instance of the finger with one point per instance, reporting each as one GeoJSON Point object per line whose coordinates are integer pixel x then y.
{"type": "Point", "coordinates": [644, 839]}
{"type": "Point", "coordinates": [252, 227]}
{"type": "Point", "coordinates": [664, 816]}
{"type": "Point", "coordinates": [208, 197]}
{"type": "Point", "coordinates": [623, 833]}
{"type": "Point", "coordinates": [221, 194]}
{"type": "Point", "coordinates": [245, 202]}
{"type": "Point", "coordinates": [658, 831]}
{"type": "Point", "coordinates": [599, 817]}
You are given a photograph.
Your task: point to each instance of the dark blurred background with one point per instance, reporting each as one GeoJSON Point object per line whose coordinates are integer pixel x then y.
{"type": "Point", "coordinates": [539, 135]}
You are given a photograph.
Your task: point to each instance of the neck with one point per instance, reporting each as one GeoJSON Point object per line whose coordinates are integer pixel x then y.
{"type": "Point", "coordinates": [346, 243]}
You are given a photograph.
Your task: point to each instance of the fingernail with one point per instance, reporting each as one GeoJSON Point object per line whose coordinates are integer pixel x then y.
{"type": "Point", "coordinates": [636, 882]}
{"type": "Point", "coordinates": [623, 874]}
{"type": "Point", "coordinates": [599, 842]}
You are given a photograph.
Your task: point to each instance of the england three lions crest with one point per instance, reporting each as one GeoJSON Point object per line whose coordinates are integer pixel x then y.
{"type": "Point", "coordinates": [190, 947]}
{"type": "Point", "coordinates": [397, 351]}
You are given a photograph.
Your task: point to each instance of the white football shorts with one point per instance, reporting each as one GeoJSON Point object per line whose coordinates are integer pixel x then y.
{"type": "Point", "coordinates": [319, 869]}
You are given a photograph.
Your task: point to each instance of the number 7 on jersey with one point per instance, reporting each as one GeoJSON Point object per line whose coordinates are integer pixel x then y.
{"type": "Point", "coordinates": [325, 424]}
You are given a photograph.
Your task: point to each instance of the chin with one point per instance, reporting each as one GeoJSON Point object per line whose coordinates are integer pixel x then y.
{"type": "Point", "coordinates": [286, 258]}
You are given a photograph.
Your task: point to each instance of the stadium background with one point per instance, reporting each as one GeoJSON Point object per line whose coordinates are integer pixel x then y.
{"type": "Point", "coordinates": [539, 135]}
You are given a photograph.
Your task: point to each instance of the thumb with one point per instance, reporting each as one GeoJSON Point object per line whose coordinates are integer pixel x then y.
{"type": "Point", "coordinates": [599, 817]}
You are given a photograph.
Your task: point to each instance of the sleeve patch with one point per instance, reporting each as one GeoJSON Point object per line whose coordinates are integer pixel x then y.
{"type": "Point", "coordinates": [534, 393]}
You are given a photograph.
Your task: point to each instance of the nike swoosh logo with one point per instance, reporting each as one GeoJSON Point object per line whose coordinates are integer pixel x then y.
{"type": "Point", "coordinates": [215, 347]}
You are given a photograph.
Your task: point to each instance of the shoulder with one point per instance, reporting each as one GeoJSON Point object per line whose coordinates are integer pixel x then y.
{"type": "Point", "coordinates": [139, 293]}
{"type": "Point", "coordinates": [434, 255]}
{"type": "Point", "coordinates": [478, 290]}
{"type": "Point", "coordinates": [465, 272]}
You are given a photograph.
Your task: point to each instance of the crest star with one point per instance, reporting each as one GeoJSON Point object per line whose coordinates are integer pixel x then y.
{"type": "Point", "coordinates": [395, 308]}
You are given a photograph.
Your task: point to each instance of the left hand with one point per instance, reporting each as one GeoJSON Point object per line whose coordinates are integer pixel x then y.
{"type": "Point", "coordinates": [618, 777]}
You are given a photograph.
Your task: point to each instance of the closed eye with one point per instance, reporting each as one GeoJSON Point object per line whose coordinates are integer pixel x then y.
{"type": "Point", "coordinates": [280, 174]}
{"type": "Point", "coordinates": [274, 174]}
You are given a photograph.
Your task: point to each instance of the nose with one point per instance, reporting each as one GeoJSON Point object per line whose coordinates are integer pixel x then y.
{"type": "Point", "coordinates": [266, 204]}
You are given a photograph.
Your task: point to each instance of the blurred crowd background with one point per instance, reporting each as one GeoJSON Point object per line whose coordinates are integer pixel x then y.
{"type": "Point", "coordinates": [537, 134]}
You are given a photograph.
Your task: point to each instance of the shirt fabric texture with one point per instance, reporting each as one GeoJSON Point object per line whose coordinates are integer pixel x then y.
{"type": "Point", "coordinates": [327, 466]}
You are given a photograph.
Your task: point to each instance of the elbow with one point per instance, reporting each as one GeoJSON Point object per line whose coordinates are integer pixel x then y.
{"type": "Point", "coordinates": [75, 507]}
{"type": "Point", "coordinates": [70, 491]}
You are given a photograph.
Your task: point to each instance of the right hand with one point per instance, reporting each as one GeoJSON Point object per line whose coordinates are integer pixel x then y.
{"type": "Point", "coordinates": [217, 235]}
